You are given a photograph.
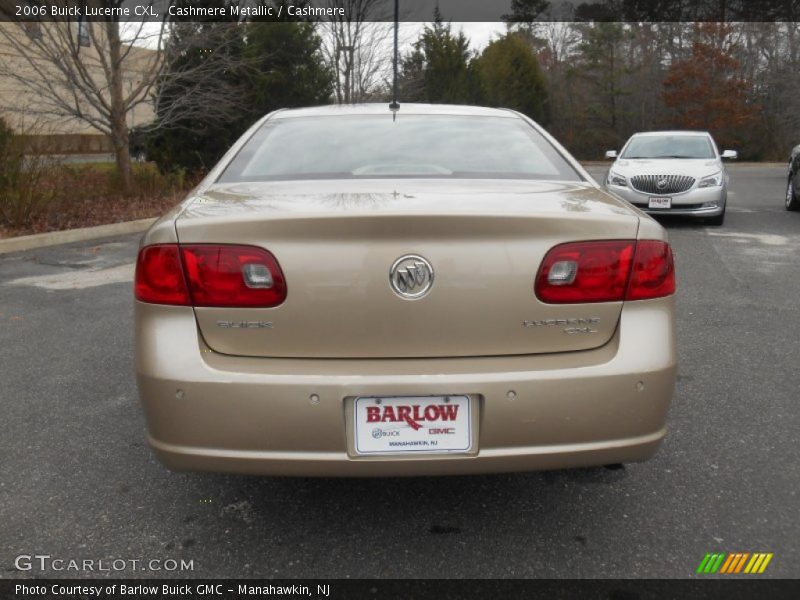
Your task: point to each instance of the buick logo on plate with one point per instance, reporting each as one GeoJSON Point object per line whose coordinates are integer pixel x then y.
{"type": "Point", "coordinates": [411, 276]}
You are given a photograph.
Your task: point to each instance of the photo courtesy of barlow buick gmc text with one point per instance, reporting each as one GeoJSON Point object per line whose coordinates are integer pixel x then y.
{"type": "Point", "coordinates": [432, 299]}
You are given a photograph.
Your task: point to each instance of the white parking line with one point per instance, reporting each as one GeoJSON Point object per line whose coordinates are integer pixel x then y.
{"type": "Point", "coordinates": [75, 280]}
{"type": "Point", "coordinates": [768, 239]}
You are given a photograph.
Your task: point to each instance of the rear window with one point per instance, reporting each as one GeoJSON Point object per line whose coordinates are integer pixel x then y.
{"type": "Point", "coordinates": [378, 146]}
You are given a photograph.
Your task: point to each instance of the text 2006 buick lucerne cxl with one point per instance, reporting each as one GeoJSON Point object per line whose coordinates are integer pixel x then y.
{"type": "Point", "coordinates": [439, 290]}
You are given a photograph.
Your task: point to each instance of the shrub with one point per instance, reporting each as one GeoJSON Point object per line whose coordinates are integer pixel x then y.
{"type": "Point", "coordinates": [149, 181]}
{"type": "Point", "coordinates": [24, 192]}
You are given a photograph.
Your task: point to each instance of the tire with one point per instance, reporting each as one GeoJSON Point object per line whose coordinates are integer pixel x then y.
{"type": "Point", "coordinates": [792, 201]}
{"type": "Point", "coordinates": [718, 220]}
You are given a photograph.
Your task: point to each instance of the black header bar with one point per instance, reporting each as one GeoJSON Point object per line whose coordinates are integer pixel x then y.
{"type": "Point", "coordinates": [410, 10]}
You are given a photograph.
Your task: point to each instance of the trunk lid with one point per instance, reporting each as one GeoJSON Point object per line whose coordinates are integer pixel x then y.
{"type": "Point", "coordinates": [336, 242]}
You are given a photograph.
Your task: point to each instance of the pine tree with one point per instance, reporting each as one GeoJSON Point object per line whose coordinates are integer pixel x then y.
{"type": "Point", "coordinates": [510, 77]}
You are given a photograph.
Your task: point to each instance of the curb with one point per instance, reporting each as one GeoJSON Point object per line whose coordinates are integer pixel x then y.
{"type": "Point", "coordinates": [54, 238]}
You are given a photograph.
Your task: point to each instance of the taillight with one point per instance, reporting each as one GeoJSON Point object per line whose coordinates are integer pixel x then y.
{"type": "Point", "coordinates": [653, 273]}
{"type": "Point", "coordinates": [606, 271]}
{"type": "Point", "coordinates": [209, 275]}
{"type": "Point", "coordinates": [583, 272]}
{"type": "Point", "coordinates": [159, 276]}
{"type": "Point", "coordinates": [233, 276]}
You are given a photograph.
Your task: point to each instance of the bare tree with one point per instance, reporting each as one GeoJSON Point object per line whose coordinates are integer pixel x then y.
{"type": "Point", "coordinates": [101, 73]}
{"type": "Point", "coordinates": [84, 72]}
{"type": "Point", "coordinates": [357, 46]}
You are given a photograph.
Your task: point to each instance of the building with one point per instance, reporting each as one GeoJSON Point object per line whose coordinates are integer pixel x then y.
{"type": "Point", "coordinates": [43, 64]}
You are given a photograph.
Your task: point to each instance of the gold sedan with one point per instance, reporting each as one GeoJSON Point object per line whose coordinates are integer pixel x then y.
{"type": "Point", "coordinates": [437, 290]}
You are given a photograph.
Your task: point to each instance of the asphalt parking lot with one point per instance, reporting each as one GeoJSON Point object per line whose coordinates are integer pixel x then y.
{"type": "Point", "coordinates": [77, 480]}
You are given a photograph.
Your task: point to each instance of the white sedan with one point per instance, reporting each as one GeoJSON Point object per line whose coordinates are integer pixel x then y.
{"type": "Point", "coordinates": [675, 172]}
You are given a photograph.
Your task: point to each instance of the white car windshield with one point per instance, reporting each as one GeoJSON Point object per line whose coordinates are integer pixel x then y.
{"type": "Point", "coordinates": [378, 146]}
{"type": "Point", "coordinates": [669, 146]}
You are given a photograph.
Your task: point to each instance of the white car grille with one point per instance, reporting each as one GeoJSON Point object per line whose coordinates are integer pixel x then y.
{"type": "Point", "coordinates": [662, 184]}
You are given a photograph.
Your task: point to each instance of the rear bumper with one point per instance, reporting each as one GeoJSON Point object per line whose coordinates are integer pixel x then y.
{"type": "Point", "coordinates": [207, 411]}
{"type": "Point", "coordinates": [333, 464]}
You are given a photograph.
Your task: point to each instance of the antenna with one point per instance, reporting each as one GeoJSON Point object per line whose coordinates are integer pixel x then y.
{"type": "Point", "coordinates": [395, 106]}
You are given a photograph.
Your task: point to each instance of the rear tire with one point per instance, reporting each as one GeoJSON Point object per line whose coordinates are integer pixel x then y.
{"type": "Point", "coordinates": [718, 220]}
{"type": "Point", "coordinates": [792, 201]}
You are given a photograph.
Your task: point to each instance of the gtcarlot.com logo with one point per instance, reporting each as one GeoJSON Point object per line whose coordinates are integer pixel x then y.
{"type": "Point", "coordinates": [45, 562]}
{"type": "Point", "coordinates": [733, 563]}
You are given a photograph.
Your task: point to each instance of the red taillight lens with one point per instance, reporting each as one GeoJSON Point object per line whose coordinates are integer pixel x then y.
{"type": "Point", "coordinates": [209, 275]}
{"type": "Point", "coordinates": [233, 276]}
{"type": "Point", "coordinates": [606, 271]}
{"type": "Point", "coordinates": [159, 276]}
{"type": "Point", "coordinates": [583, 272]}
{"type": "Point", "coordinates": [653, 273]}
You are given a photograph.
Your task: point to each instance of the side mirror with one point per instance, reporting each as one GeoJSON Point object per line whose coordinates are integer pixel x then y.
{"type": "Point", "coordinates": [730, 154]}
{"type": "Point", "coordinates": [611, 154]}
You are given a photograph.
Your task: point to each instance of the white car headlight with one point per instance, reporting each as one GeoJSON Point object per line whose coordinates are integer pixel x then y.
{"type": "Point", "coordinates": [617, 179]}
{"type": "Point", "coordinates": [714, 180]}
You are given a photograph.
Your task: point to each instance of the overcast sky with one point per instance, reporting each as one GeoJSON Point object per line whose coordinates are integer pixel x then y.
{"type": "Point", "coordinates": [479, 34]}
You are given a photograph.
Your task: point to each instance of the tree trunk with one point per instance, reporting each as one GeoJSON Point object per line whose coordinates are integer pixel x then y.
{"type": "Point", "coordinates": [613, 85]}
{"type": "Point", "coordinates": [122, 153]}
{"type": "Point", "coordinates": [119, 126]}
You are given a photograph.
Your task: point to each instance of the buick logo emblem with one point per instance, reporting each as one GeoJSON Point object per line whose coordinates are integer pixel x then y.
{"type": "Point", "coordinates": [411, 277]}
{"type": "Point", "coordinates": [662, 184]}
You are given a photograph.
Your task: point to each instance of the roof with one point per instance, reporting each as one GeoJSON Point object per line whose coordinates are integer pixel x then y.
{"type": "Point", "coordinates": [405, 109]}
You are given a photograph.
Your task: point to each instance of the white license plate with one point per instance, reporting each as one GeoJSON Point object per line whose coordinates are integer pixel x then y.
{"type": "Point", "coordinates": [660, 203]}
{"type": "Point", "coordinates": [412, 424]}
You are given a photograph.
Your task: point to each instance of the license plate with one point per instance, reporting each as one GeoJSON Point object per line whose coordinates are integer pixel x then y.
{"type": "Point", "coordinates": [660, 203]}
{"type": "Point", "coordinates": [412, 424]}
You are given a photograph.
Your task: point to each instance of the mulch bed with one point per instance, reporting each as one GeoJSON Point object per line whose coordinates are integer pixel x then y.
{"type": "Point", "coordinates": [87, 195]}
{"type": "Point", "coordinates": [88, 212]}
